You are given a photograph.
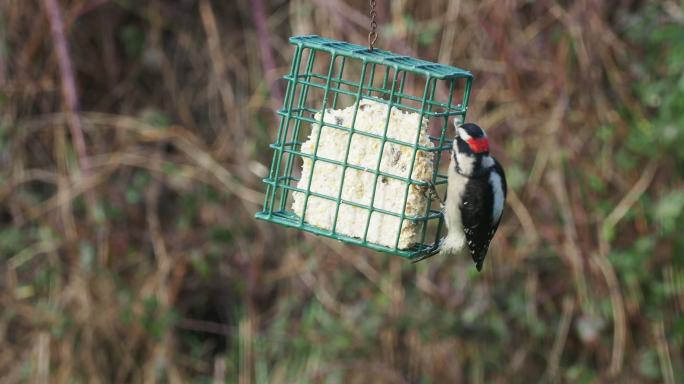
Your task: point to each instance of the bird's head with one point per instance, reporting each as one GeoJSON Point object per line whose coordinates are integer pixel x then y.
{"type": "Point", "coordinates": [471, 150]}
{"type": "Point", "coordinates": [471, 140]}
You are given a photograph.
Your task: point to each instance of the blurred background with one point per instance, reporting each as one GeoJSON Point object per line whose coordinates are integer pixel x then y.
{"type": "Point", "coordinates": [134, 136]}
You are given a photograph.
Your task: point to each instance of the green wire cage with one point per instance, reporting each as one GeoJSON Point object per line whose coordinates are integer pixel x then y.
{"type": "Point", "coordinates": [326, 75]}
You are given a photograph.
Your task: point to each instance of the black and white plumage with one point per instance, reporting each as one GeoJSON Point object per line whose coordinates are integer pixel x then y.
{"type": "Point", "coordinates": [475, 195]}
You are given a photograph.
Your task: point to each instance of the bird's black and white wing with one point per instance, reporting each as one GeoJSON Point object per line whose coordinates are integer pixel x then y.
{"type": "Point", "coordinates": [483, 194]}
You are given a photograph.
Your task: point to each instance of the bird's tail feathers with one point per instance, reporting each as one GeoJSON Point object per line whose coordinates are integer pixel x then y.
{"type": "Point", "coordinates": [452, 243]}
{"type": "Point", "coordinates": [478, 264]}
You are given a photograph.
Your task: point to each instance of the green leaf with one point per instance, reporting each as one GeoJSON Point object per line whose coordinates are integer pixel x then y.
{"type": "Point", "coordinates": [668, 210]}
{"type": "Point", "coordinates": [648, 365]}
{"type": "Point", "coordinates": [133, 40]}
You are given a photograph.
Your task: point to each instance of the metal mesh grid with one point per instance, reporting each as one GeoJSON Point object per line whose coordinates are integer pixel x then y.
{"type": "Point", "coordinates": [325, 73]}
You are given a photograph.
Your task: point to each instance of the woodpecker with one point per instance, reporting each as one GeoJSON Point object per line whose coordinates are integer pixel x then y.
{"type": "Point", "coordinates": [475, 194]}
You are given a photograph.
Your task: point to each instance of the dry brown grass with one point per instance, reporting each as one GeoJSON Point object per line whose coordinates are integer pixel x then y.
{"type": "Point", "coordinates": [143, 262]}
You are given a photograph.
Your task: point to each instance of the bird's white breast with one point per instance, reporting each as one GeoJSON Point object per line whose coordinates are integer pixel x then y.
{"type": "Point", "coordinates": [456, 186]}
{"type": "Point", "coordinates": [455, 238]}
{"type": "Point", "coordinates": [465, 163]}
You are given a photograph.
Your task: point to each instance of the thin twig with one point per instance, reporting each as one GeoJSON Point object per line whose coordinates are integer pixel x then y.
{"type": "Point", "coordinates": [663, 352]}
{"type": "Point", "coordinates": [219, 67]}
{"type": "Point", "coordinates": [557, 183]}
{"type": "Point", "coordinates": [3, 63]}
{"type": "Point", "coordinates": [186, 142]}
{"type": "Point", "coordinates": [68, 83]}
{"type": "Point", "coordinates": [619, 317]}
{"type": "Point", "coordinates": [561, 337]}
{"type": "Point", "coordinates": [526, 222]}
{"type": "Point", "coordinates": [617, 301]}
{"type": "Point", "coordinates": [207, 327]}
{"type": "Point", "coordinates": [450, 31]}
{"type": "Point", "coordinates": [267, 59]}
{"type": "Point", "coordinates": [632, 196]}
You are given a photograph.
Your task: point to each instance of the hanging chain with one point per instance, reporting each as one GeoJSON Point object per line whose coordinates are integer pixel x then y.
{"type": "Point", "coordinates": [373, 34]}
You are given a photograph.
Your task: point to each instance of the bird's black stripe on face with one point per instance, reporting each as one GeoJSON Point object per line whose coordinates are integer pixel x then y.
{"type": "Point", "coordinates": [462, 146]}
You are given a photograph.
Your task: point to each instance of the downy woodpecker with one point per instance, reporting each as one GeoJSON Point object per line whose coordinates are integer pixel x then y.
{"type": "Point", "coordinates": [475, 195]}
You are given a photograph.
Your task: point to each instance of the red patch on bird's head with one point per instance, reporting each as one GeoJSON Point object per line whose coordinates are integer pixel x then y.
{"type": "Point", "coordinates": [479, 145]}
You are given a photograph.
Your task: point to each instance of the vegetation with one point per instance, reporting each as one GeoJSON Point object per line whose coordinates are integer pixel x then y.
{"type": "Point", "coordinates": [134, 256]}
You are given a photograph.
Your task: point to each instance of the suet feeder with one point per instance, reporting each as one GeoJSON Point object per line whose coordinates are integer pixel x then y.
{"type": "Point", "coordinates": [359, 144]}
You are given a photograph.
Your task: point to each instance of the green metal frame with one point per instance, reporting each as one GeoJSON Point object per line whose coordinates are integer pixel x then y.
{"type": "Point", "coordinates": [298, 111]}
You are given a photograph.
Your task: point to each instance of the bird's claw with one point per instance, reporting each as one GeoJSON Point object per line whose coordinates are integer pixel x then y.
{"type": "Point", "coordinates": [433, 193]}
{"type": "Point", "coordinates": [427, 255]}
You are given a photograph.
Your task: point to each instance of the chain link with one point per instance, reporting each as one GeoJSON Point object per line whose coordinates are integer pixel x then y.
{"type": "Point", "coordinates": [373, 34]}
